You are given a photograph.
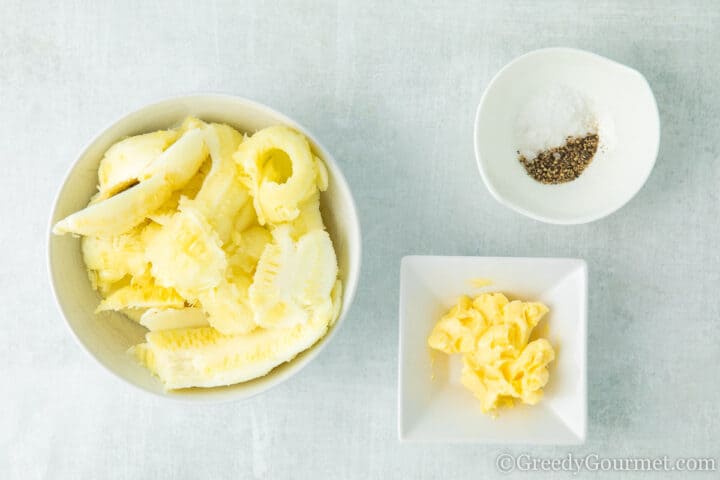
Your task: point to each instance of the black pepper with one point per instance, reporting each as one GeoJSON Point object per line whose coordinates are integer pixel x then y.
{"type": "Point", "coordinates": [562, 164]}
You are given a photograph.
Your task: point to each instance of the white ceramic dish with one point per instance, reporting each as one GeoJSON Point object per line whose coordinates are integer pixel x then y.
{"type": "Point", "coordinates": [108, 336]}
{"type": "Point", "coordinates": [440, 409]}
{"type": "Point", "coordinates": [612, 179]}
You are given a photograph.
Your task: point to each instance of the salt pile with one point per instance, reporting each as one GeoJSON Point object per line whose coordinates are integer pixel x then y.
{"type": "Point", "coordinates": [550, 117]}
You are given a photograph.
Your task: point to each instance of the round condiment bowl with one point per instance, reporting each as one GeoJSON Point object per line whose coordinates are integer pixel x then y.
{"type": "Point", "coordinates": [107, 337]}
{"type": "Point", "coordinates": [626, 104]}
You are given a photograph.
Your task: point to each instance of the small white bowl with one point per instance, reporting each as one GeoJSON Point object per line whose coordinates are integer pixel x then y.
{"type": "Point", "coordinates": [612, 179]}
{"type": "Point", "coordinates": [433, 406]}
{"type": "Point", "coordinates": [108, 338]}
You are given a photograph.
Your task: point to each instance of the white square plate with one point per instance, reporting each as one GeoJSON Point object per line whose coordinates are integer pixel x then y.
{"type": "Point", "coordinates": [440, 409]}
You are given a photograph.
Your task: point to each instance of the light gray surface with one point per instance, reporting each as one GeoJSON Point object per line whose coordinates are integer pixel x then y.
{"type": "Point", "coordinates": [391, 91]}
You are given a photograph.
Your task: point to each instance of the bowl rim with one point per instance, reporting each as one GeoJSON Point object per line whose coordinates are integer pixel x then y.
{"type": "Point", "coordinates": [545, 218]}
{"type": "Point", "coordinates": [349, 286]}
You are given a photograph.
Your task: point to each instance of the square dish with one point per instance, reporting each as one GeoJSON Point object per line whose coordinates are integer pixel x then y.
{"type": "Point", "coordinates": [433, 405]}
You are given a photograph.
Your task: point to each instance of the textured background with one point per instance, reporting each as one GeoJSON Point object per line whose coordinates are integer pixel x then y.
{"type": "Point", "coordinates": [391, 91]}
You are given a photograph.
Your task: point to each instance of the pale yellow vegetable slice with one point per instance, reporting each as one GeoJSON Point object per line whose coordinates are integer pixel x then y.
{"type": "Point", "coordinates": [280, 171]}
{"type": "Point", "coordinates": [171, 318]}
{"type": "Point", "coordinates": [110, 259]}
{"type": "Point", "coordinates": [113, 261]}
{"type": "Point", "coordinates": [245, 250]}
{"type": "Point", "coordinates": [222, 194]}
{"type": "Point", "coordinates": [190, 190]}
{"type": "Point", "coordinates": [144, 356]}
{"type": "Point", "coordinates": [227, 306]}
{"type": "Point", "coordinates": [118, 214]}
{"type": "Point", "coordinates": [191, 123]}
{"type": "Point", "coordinates": [275, 282]}
{"type": "Point", "coordinates": [141, 292]}
{"type": "Point", "coordinates": [179, 163]}
{"type": "Point", "coordinates": [317, 267]}
{"type": "Point", "coordinates": [292, 277]}
{"type": "Point", "coordinates": [308, 219]}
{"type": "Point", "coordinates": [186, 254]}
{"type": "Point", "coordinates": [125, 161]}
{"type": "Point", "coordinates": [204, 357]}
{"type": "Point", "coordinates": [245, 218]}
{"type": "Point", "coordinates": [322, 175]}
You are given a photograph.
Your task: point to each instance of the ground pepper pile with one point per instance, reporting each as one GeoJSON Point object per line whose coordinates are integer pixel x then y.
{"type": "Point", "coordinates": [562, 164]}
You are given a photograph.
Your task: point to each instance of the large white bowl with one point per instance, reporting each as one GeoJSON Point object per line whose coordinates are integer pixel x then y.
{"type": "Point", "coordinates": [108, 336]}
{"type": "Point", "coordinates": [622, 96]}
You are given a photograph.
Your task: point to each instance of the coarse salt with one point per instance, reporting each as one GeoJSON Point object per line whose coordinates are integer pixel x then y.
{"type": "Point", "coordinates": [550, 117]}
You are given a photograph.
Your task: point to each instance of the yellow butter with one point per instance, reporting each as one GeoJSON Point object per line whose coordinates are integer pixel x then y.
{"type": "Point", "coordinates": [500, 363]}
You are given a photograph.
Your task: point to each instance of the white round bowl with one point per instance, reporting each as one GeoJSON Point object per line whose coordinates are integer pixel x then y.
{"type": "Point", "coordinates": [108, 336]}
{"type": "Point", "coordinates": [623, 97]}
